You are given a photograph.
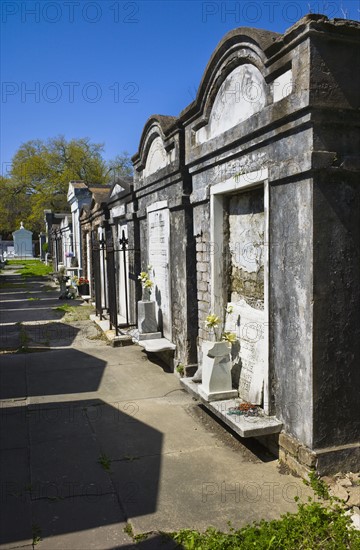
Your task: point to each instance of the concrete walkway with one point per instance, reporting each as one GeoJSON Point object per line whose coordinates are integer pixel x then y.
{"type": "Point", "coordinates": [95, 440]}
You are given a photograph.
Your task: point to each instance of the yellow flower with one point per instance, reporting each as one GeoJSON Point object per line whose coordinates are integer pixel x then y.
{"type": "Point", "coordinates": [148, 284]}
{"type": "Point", "coordinates": [229, 337]}
{"type": "Point", "coordinates": [144, 276]}
{"type": "Point", "coordinates": [212, 321]}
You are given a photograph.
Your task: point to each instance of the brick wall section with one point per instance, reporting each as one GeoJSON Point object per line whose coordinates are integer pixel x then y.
{"type": "Point", "coordinates": [203, 282]}
{"type": "Point", "coordinates": [296, 456]}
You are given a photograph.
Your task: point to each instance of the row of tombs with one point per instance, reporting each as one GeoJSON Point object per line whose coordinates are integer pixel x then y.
{"type": "Point", "coordinates": [243, 213]}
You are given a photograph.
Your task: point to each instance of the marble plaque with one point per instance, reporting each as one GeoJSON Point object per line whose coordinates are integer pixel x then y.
{"type": "Point", "coordinates": [242, 93]}
{"type": "Point", "coordinates": [249, 326]}
{"type": "Point", "coordinates": [118, 211]}
{"type": "Point", "coordinates": [159, 259]}
{"type": "Point", "coordinates": [282, 86]}
{"type": "Point", "coordinates": [156, 158]}
{"type": "Point", "coordinates": [246, 246]}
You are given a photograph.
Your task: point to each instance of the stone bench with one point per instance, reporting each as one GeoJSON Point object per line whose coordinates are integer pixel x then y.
{"type": "Point", "coordinates": [157, 345]}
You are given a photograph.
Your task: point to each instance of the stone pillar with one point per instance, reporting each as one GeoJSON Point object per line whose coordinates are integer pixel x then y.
{"type": "Point", "coordinates": [42, 241]}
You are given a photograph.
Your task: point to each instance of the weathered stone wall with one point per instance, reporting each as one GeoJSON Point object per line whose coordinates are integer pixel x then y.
{"type": "Point", "coordinates": [181, 265]}
{"type": "Point", "coordinates": [333, 83]}
{"type": "Point", "coordinates": [336, 372]}
{"type": "Point", "coordinates": [335, 98]}
{"type": "Point", "coordinates": [162, 189]}
{"type": "Point", "coordinates": [144, 242]}
{"type": "Point", "coordinates": [291, 244]}
{"type": "Point", "coordinates": [245, 269]}
{"type": "Point", "coordinates": [85, 229]}
{"type": "Point", "coordinates": [183, 288]}
{"type": "Point", "coordinates": [313, 220]}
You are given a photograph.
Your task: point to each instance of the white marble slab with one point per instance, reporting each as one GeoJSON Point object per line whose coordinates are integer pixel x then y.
{"type": "Point", "coordinates": [156, 345]}
{"type": "Point", "coordinates": [282, 86]}
{"type": "Point", "coordinates": [156, 158]}
{"type": "Point", "coordinates": [249, 328]}
{"type": "Point", "coordinates": [242, 93]}
{"type": "Point", "coordinates": [159, 259]}
{"type": "Point", "coordinates": [244, 426]}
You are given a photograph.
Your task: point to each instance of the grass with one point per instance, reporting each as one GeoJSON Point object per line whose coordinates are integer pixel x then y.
{"type": "Point", "coordinates": [136, 538]}
{"type": "Point", "coordinates": [315, 526]}
{"type": "Point", "coordinates": [129, 530]}
{"type": "Point", "coordinates": [319, 486]}
{"type": "Point", "coordinates": [141, 537]}
{"type": "Point", "coordinates": [32, 268]}
{"type": "Point", "coordinates": [64, 308]}
{"type": "Point", "coordinates": [105, 462]}
{"type": "Point", "coordinates": [36, 534]}
{"type": "Point", "coordinates": [99, 336]}
{"type": "Point", "coordinates": [33, 299]}
{"type": "Point", "coordinates": [77, 313]}
{"type": "Point", "coordinates": [180, 369]}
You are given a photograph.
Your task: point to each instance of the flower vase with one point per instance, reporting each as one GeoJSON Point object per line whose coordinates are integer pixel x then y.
{"type": "Point", "coordinates": [146, 294]}
{"type": "Point", "coordinates": [216, 372]}
{"type": "Point", "coordinates": [84, 289]}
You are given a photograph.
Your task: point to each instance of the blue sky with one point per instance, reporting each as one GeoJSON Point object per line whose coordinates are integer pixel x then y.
{"type": "Point", "coordinates": [101, 68]}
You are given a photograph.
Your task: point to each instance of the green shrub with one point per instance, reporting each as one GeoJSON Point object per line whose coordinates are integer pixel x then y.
{"type": "Point", "coordinates": [313, 527]}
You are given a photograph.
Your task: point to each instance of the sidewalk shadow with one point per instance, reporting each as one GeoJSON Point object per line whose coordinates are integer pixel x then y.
{"type": "Point", "coordinates": [57, 372]}
{"type": "Point", "coordinates": [66, 483]}
{"type": "Point", "coordinates": [15, 337]}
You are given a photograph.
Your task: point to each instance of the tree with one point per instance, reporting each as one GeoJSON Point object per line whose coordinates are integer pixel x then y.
{"type": "Point", "coordinates": [13, 207]}
{"type": "Point", "coordinates": [40, 175]}
{"type": "Point", "coordinates": [121, 165]}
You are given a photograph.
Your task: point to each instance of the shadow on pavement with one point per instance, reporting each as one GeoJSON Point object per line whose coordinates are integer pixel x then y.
{"type": "Point", "coordinates": [71, 474]}
{"type": "Point", "coordinates": [14, 336]}
{"type": "Point", "coordinates": [57, 479]}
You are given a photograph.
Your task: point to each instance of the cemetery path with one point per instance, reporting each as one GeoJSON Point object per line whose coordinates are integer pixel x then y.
{"type": "Point", "coordinates": [100, 443]}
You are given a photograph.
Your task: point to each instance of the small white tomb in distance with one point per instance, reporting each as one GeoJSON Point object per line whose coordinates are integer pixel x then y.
{"type": "Point", "coordinates": [23, 242]}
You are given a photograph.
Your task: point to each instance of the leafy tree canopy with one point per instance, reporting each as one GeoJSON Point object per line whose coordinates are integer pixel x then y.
{"type": "Point", "coordinates": [14, 207]}
{"type": "Point", "coordinates": [40, 175]}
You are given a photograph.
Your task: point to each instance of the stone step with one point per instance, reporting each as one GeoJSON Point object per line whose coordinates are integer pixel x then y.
{"type": "Point", "coordinates": [157, 344]}
{"type": "Point", "coordinates": [252, 426]}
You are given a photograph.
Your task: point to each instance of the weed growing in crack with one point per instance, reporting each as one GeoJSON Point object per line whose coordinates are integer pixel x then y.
{"type": "Point", "coordinates": [36, 534]}
{"type": "Point", "coordinates": [105, 462]}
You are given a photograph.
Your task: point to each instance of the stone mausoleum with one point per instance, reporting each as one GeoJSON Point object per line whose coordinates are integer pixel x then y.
{"type": "Point", "coordinates": [247, 207]}
{"type": "Point", "coordinates": [23, 245]}
{"type": "Point", "coordinates": [164, 216]}
{"type": "Point", "coordinates": [272, 149]}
